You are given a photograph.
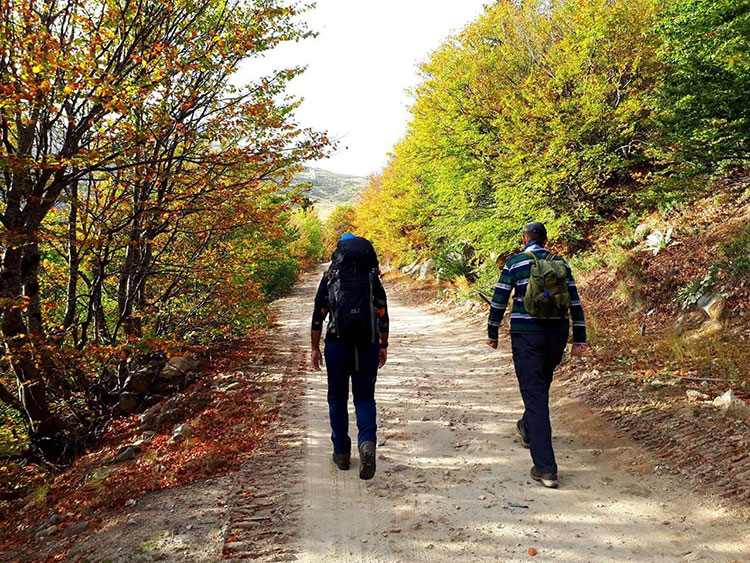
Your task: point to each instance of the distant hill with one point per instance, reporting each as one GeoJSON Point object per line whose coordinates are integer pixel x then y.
{"type": "Point", "coordinates": [330, 189]}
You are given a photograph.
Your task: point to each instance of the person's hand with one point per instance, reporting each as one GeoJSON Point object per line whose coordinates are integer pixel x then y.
{"type": "Point", "coordinates": [492, 343]}
{"type": "Point", "coordinates": [317, 359]}
{"type": "Point", "coordinates": [578, 349]}
{"type": "Point", "coordinates": [383, 357]}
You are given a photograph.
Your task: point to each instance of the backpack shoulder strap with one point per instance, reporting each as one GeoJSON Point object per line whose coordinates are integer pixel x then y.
{"type": "Point", "coordinates": [534, 257]}
{"type": "Point", "coordinates": [540, 272]}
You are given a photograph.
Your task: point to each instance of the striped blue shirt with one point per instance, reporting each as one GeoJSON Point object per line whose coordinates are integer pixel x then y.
{"type": "Point", "coordinates": [514, 279]}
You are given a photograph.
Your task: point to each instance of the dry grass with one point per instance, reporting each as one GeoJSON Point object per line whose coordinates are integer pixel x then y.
{"type": "Point", "coordinates": [634, 313]}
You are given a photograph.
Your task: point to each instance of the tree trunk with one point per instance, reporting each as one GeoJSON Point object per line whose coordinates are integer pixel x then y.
{"type": "Point", "coordinates": [74, 260]}
{"type": "Point", "coordinates": [30, 279]}
{"type": "Point", "coordinates": [101, 330]}
{"type": "Point", "coordinates": [45, 430]}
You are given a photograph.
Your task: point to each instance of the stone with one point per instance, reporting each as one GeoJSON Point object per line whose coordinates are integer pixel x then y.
{"type": "Point", "coordinates": [732, 406]}
{"type": "Point", "coordinates": [696, 395]}
{"type": "Point", "coordinates": [55, 518]}
{"type": "Point", "coordinates": [738, 410]}
{"type": "Point", "coordinates": [198, 403]}
{"type": "Point", "coordinates": [690, 321]}
{"type": "Point", "coordinates": [150, 364]}
{"type": "Point", "coordinates": [127, 453]}
{"type": "Point", "coordinates": [708, 328]}
{"type": "Point", "coordinates": [95, 479]}
{"type": "Point", "coordinates": [76, 528]}
{"type": "Point", "coordinates": [150, 416]}
{"type": "Point", "coordinates": [724, 400]}
{"type": "Point", "coordinates": [408, 269]}
{"type": "Point", "coordinates": [147, 437]}
{"type": "Point", "coordinates": [128, 402]}
{"type": "Point", "coordinates": [712, 304]}
{"type": "Point", "coordinates": [164, 386]}
{"type": "Point", "coordinates": [139, 381]}
{"type": "Point", "coordinates": [178, 366]}
{"type": "Point", "coordinates": [46, 532]}
{"type": "Point", "coordinates": [36, 528]}
{"type": "Point", "coordinates": [180, 432]}
{"type": "Point", "coordinates": [427, 269]}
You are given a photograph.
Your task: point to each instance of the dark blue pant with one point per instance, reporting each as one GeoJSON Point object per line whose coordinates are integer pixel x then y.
{"type": "Point", "coordinates": [360, 363]}
{"type": "Point", "coordinates": [535, 357]}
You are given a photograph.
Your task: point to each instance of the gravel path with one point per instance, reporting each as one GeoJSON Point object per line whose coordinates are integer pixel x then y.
{"type": "Point", "coordinates": [452, 481]}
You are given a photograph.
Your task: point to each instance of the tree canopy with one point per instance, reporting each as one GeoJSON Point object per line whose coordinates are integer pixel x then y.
{"type": "Point", "coordinates": [144, 199]}
{"type": "Point", "coordinates": [570, 112]}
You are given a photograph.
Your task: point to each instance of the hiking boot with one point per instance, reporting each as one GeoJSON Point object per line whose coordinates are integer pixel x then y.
{"type": "Point", "coordinates": [342, 461]}
{"type": "Point", "coordinates": [549, 480]}
{"type": "Point", "coordinates": [522, 433]}
{"type": "Point", "coordinates": [367, 460]}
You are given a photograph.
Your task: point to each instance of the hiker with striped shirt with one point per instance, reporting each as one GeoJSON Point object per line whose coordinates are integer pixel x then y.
{"type": "Point", "coordinates": [543, 306]}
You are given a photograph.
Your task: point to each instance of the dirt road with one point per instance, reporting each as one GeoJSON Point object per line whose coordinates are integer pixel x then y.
{"type": "Point", "coordinates": [452, 481]}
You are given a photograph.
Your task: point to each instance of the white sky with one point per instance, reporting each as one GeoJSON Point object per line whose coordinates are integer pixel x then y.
{"type": "Point", "coordinates": [359, 68]}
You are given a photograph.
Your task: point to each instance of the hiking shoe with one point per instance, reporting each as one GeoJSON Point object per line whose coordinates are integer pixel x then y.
{"type": "Point", "coordinates": [549, 480]}
{"type": "Point", "coordinates": [522, 433]}
{"type": "Point", "coordinates": [367, 460]}
{"type": "Point", "coordinates": [342, 461]}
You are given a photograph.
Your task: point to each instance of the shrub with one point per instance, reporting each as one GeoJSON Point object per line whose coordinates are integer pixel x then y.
{"type": "Point", "coordinates": [280, 277]}
{"type": "Point", "coordinates": [737, 254]}
{"type": "Point", "coordinates": [307, 236]}
{"type": "Point", "coordinates": [692, 292]}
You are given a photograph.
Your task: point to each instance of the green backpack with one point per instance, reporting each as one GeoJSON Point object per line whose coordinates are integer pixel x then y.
{"type": "Point", "coordinates": [547, 294]}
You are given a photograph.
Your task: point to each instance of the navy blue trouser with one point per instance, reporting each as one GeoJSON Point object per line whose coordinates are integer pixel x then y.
{"type": "Point", "coordinates": [360, 363]}
{"type": "Point", "coordinates": [535, 357]}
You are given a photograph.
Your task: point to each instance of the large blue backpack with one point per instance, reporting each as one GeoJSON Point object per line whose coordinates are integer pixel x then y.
{"type": "Point", "coordinates": [352, 277]}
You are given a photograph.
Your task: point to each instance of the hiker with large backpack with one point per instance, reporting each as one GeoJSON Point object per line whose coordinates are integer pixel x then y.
{"type": "Point", "coordinates": [545, 300]}
{"type": "Point", "coordinates": [352, 297]}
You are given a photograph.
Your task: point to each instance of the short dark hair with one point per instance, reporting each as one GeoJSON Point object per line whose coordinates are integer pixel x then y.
{"type": "Point", "coordinates": [536, 232]}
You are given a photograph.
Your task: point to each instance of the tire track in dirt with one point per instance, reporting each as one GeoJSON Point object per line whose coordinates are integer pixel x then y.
{"type": "Point", "coordinates": [263, 508]}
{"type": "Point", "coordinates": [452, 481]}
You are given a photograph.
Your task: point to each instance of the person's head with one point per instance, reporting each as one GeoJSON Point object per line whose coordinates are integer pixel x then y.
{"type": "Point", "coordinates": [535, 232]}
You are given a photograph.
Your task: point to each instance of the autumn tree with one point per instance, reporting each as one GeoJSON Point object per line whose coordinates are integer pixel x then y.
{"type": "Point", "coordinates": [538, 110]}
{"type": "Point", "coordinates": [131, 170]}
{"type": "Point", "coordinates": [337, 224]}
